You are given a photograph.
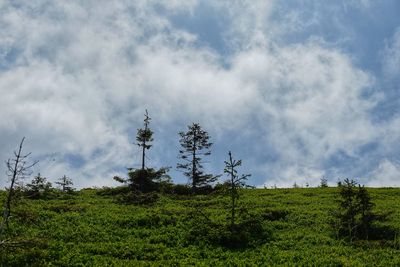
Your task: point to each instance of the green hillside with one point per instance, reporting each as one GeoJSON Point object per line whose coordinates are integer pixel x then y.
{"type": "Point", "coordinates": [89, 229]}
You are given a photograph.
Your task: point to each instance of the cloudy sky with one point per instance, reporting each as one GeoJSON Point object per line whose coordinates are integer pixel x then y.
{"type": "Point", "coordinates": [296, 89]}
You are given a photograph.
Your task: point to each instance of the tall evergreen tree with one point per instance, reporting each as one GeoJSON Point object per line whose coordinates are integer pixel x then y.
{"type": "Point", "coordinates": [143, 137]}
{"type": "Point", "coordinates": [195, 145]}
{"type": "Point", "coordinates": [140, 178]}
{"type": "Point", "coordinates": [146, 179]}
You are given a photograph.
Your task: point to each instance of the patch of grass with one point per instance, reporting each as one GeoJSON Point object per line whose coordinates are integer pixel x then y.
{"type": "Point", "coordinates": [93, 229]}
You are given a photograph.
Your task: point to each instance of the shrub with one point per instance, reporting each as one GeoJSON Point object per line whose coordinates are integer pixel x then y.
{"type": "Point", "coordinates": [354, 216]}
{"type": "Point", "coordinates": [249, 231]}
{"type": "Point", "coordinates": [181, 189]}
{"type": "Point", "coordinates": [113, 191]}
{"type": "Point", "coordinates": [39, 188]}
{"type": "Point", "coordinates": [139, 198]}
{"type": "Point", "coordinates": [147, 180]}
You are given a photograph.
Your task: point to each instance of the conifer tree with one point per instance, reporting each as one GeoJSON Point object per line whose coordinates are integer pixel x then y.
{"type": "Point", "coordinates": [39, 187]}
{"type": "Point", "coordinates": [195, 145]}
{"type": "Point", "coordinates": [145, 179]}
{"type": "Point", "coordinates": [235, 183]}
{"type": "Point", "coordinates": [324, 182]}
{"type": "Point", "coordinates": [355, 216]}
{"type": "Point", "coordinates": [143, 137]}
{"type": "Point", "coordinates": [65, 183]}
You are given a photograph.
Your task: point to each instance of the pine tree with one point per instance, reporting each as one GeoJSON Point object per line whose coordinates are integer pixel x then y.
{"type": "Point", "coordinates": [324, 182]}
{"type": "Point", "coordinates": [355, 216]}
{"type": "Point", "coordinates": [39, 187]}
{"type": "Point", "coordinates": [235, 183]}
{"type": "Point", "coordinates": [66, 184]}
{"type": "Point", "coordinates": [195, 145]}
{"type": "Point", "coordinates": [144, 137]}
{"type": "Point", "coordinates": [145, 179]}
{"type": "Point", "coordinates": [365, 211]}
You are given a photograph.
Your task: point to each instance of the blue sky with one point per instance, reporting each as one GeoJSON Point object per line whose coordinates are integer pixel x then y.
{"type": "Point", "coordinates": [297, 89]}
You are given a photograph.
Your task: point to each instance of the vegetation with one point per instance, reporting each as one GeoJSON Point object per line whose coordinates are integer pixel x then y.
{"type": "Point", "coordinates": [17, 169]}
{"type": "Point", "coordinates": [89, 229]}
{"type": "Point", "coordinates": [144, 136]}
{"type": "Point", "coordinates": [150, 221]}
{"type": "Point", "coordinates": [38, 188]}
{"type": "Point", "coordinates": [66, 184]}
{"type": "Point", "coordinates": [195, 145]}
{"type": "Point", "coordinates": [324, 182]}
{"type": "Point", "coordinates": [354, 216]}
{"type": "Point", "coordinates": [234, 183]}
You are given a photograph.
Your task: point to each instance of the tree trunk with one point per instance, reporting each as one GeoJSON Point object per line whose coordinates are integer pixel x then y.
{"type": "Point", "coordinates": [194, 178]}
{"type": "Point", "coordinates": [7, 211]}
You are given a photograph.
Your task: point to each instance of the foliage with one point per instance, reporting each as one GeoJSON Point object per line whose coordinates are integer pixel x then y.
{"type": "Point", "coordinates": [241, 230]}
{"type": "Point", "coordinates": [38, 188]}
{"type": "Point", "coordinates": [354, 217]}
{"type": "Point", "coordinates": [235, 182]}
{"type": "Point", "coordinates": [142, 186]}
{"type": "Point", "coordinates": [195, 145]}
{"type": "Point", "coordinates": [139, 198]}
{"type": "Point", "coordinates": [113, 191]}
{"type": "Point", "coordinates": [90, 229]}
{"type": "Point", "coordinates": [66, 184]}
{"type": "Point", "coordinates": [249, 231]}
{"type": "Point", "coordinates": [143, 137]}
{"type": "Point", "coordinates": [18, 169]}
{"type": "Point", "coordinates": [181, 189]}
{"type": "Point", "coordinates": [324, 182]}
{"type": "Point", "coordinates": [149, 180]}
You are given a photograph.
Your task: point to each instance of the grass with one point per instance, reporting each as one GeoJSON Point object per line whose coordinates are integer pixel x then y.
{"type": "Point", "coordinates": [88, 229]}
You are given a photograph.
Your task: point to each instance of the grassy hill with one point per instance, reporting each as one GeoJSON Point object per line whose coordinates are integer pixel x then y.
{"type": "Point", "coordinates": [89, 229]}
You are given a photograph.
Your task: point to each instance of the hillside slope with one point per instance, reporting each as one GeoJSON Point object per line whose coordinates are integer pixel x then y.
{"type": "Point", "coordinates": [94, 230]}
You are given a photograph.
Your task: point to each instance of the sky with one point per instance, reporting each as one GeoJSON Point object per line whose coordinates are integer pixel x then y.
{"type": "Point", "coordinates": [298, 90]}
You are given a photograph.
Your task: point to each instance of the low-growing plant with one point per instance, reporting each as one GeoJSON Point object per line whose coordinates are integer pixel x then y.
{"type": "Point", "coordinates": [181, 189]}
{"type": "Point", "coordinates": [250, 230]}
{"type": "Point", "coordinates": [139, 198]}
{"type": "Point", "coordinates": [147, 180]}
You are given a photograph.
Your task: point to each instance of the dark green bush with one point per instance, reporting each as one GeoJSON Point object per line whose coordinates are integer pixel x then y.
{"type": "Point", "coordinates": [251, 230]}
{"type": "Point", "coordinates": [275, 214]}
{"type": "Point", "coordinates": [354, 218]}
{"type": "Point", "coordinates": [139, 198]}
{"type": "Point", "coordinates": [39, 188]}
{"type": "Point", "coordinates": [113, 191]}
{"type": "Point", "coordinates": [181, 189]}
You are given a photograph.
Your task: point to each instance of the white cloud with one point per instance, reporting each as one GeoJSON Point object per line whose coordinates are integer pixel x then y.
{"type": "Point", "coordinates": [391, 56]}
{"type": "Point", "coordinates": [386, 174]}
{"type": "Point", "coordinates": [84, 72]}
